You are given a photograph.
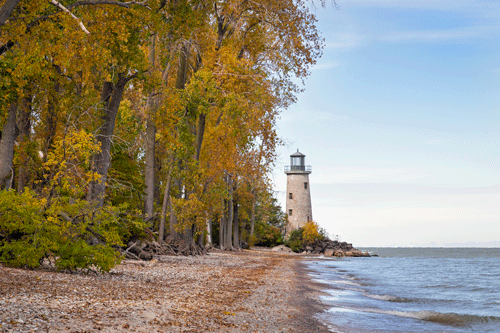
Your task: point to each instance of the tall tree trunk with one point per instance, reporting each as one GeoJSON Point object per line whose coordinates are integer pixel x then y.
{"type": "Point", "coordinates": [199, 135]}
{"type": "Point", "coordinates": [230, 216]}
{"type": "Point", "coordinates": [252, 216]}
{"type": "Point", "coordinates": [150, 168]}
{"type": "Point", "coordinates": [6, 10]}
{"type": "Point", "coordinates": [188, 234]}
{"type": "Point", "coordinates": [172, 222]}
{"type": "Point", "coordinates": [179, 84]}
{"type": "Point", "coordinates": [200, 239]}
{"type": "Point", "coordinates": [236, 227]}
{"type": "Point", "coordinates": [7, 148]}
{"type": "Point", "coordinates": [173, 219]}
{"type": "Point", "coordinates": [150, 141]}
{"type": "Point", "coordinates": [164, 207]}
{"type": "Point", "coordinates": [222, 228]}
{"type": "Point", "coordinates": [209, 230]}
{"type": "Point", "coordinates": [24, 125]}
{"type": "Point", "coordinates": [111, 96]}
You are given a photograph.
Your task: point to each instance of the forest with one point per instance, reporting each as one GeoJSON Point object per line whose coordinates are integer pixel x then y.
{"type": "Point", "coordinates": [154, 119]}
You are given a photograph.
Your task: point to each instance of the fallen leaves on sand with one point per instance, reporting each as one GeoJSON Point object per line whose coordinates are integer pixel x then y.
{"type": "Point", "coordinates": [219, 292]}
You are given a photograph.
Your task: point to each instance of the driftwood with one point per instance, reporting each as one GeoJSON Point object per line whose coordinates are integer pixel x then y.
{"type": "Point", "coordinates": [145, 249]}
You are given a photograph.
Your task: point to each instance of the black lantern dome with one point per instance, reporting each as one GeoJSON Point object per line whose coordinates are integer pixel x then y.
{"type": "Point", "coordinates": [297, 164]}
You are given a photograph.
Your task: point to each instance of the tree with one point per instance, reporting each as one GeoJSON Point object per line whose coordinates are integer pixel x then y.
{"type": "Point", "coordinates": [178, 96]}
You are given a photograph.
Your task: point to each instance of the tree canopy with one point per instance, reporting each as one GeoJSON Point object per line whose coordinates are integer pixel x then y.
{"type": "Point", "coordinates": [148, 118]}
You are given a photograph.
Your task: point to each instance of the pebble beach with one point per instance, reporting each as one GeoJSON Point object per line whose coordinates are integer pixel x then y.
{"type": "Point", "coordinates": [244, 291]}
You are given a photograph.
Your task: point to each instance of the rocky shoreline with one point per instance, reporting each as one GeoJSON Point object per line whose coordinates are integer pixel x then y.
{"type": "Point", "coordinates": [327, 248]}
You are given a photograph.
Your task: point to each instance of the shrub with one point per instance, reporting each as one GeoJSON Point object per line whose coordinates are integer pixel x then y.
{"type": "Point", "coordinates": [73, 233]}
{"type": "Point", "coordinates": [306, 235]}
{"type": "Point", "coordinates": [269, 236]}
{"type": "Point", "coordinates": [295, 241]}
{"type": "Point", "coordinates": [311, 233]}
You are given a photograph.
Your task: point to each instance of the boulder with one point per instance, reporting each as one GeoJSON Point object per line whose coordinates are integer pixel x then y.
{"type": "Point", "coordinates": [281, 248]}
{"type": "Point", "coordinates": [329, 252]}
{"type": "Point", "coordinates": [354, 253]}
{"type": "Point", "coordinates": [339, 253]}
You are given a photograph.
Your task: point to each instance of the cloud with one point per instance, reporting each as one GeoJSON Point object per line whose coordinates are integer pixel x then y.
{"type": "Point", "coordinates": [458, 34]}
{"type": "Point", "coordinates": [368, 175]}
{"type": "Point", "coordinates": [406, 216]}
{"type": "Point", "coordinates": [403, 223]}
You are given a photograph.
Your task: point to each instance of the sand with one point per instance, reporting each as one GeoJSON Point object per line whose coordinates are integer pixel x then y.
{"type": "Point", "coordinates": [245, 291]}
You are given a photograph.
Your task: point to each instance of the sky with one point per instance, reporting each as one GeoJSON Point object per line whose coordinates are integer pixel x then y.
{"type": "Point", "coordinates": [400, 121]}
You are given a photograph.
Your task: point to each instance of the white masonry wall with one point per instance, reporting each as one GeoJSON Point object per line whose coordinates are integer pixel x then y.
{"type": "Point", "coordinates": [300, 203]}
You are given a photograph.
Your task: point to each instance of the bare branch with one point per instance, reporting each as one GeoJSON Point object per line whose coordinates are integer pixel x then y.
{"type": "Point", "coordinates": [107, 2]}
{"type": "Point", "coordinates": [80, 23]}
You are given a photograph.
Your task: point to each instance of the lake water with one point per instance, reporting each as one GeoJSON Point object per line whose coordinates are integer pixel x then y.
{"type": "Point", "coordinates": [454, 290]}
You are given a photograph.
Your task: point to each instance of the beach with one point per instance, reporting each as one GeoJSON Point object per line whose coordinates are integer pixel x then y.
{"type": "Point", "coordinates": [244, 291]}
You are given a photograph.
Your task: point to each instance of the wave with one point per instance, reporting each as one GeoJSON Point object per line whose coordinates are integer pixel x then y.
{"type": "Point", "coordinates": [455, 319]}
{"type": "Point", "coordinates": [389, 298]}
{"type": "Point", "coordinates": [346, 282]}
{"type": "Point", "coordinates": [450, 319]}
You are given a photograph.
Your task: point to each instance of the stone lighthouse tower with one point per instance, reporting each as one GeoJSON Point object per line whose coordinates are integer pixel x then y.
{"type": "Point", "coordinates": [298, 195]}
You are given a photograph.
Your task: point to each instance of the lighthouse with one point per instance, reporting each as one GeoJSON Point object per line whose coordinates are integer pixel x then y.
{"type": "Point", "coordinates": [298, 193]}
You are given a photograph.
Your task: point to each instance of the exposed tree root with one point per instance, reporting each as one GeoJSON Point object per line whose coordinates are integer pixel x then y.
{"type": "Point", "coordinates": [145, 249]}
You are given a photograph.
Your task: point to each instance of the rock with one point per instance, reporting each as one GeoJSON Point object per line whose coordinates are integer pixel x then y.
{"type": "Point", "coordinates": [354, 253]}
{"type": "Point", "coordinates": [339, 253]}
{"type": "Point", "coordinates": [346, 246]}
{"type": "Point", "coordinates": [329, 252]}
{"type": "Point", "coordinates": [281, 248]}
{"type": "Point", "coordinates": [309, 248]}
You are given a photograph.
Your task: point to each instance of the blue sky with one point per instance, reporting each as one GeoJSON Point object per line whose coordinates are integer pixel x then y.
{"type": "Point", "coordinates": [400, 121]}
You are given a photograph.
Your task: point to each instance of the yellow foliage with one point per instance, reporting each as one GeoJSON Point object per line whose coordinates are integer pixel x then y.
{"type": "Point", "coordinates": [67, 165]}
{"type": "Point", "coordinates": [311, 231]}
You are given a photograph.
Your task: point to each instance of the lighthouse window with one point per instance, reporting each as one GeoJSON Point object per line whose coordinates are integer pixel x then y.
{"type": "Point", "coordinates": [290, 195]}
{"type": "Point", "coordinates": [289, 212]}
{"type": "Point", "coordinates": [305, 186]}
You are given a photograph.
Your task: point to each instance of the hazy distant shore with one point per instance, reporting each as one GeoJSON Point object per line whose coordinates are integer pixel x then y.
{"type": "Point", "coordinates": [221, 292]}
